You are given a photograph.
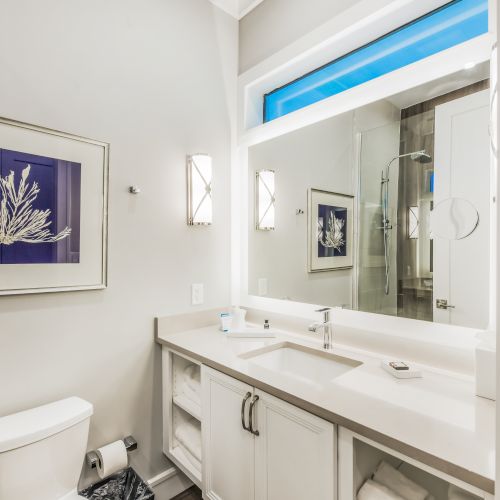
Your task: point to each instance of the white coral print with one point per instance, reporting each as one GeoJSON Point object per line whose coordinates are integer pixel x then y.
{"type": "Point", "coordinates": [334, 235]}
{"type": "Point", "coordinates": [18, 220]}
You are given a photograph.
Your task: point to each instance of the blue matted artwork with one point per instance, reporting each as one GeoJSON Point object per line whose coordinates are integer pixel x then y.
{"type": "Point", "coordinates": [330, 230]}
{"type": "Point", "coordinates": [40, 200]}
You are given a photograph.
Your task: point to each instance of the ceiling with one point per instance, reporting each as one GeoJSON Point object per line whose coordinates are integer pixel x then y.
{"type": "Point", "coordinates": [237, 8]}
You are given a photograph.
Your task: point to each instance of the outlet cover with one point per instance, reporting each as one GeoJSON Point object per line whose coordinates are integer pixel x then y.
{"type": "Point", "coordinates": [197, 294]}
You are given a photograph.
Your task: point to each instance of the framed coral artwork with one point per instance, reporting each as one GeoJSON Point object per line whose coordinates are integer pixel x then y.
{"type": "Point", "coordinates": [330, 230]}
{"type": "Point", "coordinates": [53, 210]}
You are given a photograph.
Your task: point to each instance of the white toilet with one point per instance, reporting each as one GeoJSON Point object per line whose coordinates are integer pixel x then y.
{"type": "Point", "coordinates": [42, 451]}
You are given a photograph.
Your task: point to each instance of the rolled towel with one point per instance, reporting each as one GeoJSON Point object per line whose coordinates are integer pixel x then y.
{"type": "Point", "coordinates": [192, 378]}
{"type": "Point", "coordinates": [191, 458]}
{"type": "Point", "coordinates": [388, 476]}
{"type": "Point", "coordinates": [372, 490]}
{"type": "Point", "coordinates": [190, 394]}
{"type": "Point", "coordinates": [189, 436]}
{"type": "Point", "coordinates": [456, 493]}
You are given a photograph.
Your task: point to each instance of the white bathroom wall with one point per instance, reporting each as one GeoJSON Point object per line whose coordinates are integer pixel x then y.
{"type": "Point", "coordinates": [274, 24]}
{"type": "Point", "coordinates": [155, 79]}
{"type": "Point", "coordinates": [322, 156]}
{"type": "Point", "coordinates": [319, 156]}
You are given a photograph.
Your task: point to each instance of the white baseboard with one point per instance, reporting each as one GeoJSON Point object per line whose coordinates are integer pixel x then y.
{"type": "Point", "coordinates": [169, 483]}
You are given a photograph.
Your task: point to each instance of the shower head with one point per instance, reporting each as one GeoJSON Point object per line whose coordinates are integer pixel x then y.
{"type": "Point", "coordinates": [421, 156]}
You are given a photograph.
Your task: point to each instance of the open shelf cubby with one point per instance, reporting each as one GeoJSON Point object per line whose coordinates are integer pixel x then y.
{"type": "Point", "coordinates": [186, 386]}
{"type": "Point", "coordinates": [186, 441]}
{"type": "Point", "coordinates": [367, 458]}
{"type": "Point", "coordinates": [182, 413]}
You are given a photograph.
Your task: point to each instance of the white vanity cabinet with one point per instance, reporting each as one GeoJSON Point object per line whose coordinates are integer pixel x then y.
{"type": "Point", "coordinates": [238, 442]}
{"type": "Point", "coordinates": [256, 446]}
{"type": "Point", "coordinates": [228, 449]}
{"type": "Point", "coordinates": [295, 452]}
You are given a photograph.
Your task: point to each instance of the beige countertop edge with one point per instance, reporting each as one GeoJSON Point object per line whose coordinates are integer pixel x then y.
{"type": "Point", "coordinates": [437, 463]}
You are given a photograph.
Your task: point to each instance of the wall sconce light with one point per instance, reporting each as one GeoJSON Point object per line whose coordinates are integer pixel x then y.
{"type": "Point", "coordinates": [264, 200]}
{"type": "Point", "coordinates": [413, 222]}
{"type": "Point", "coordinates": [199, 179]}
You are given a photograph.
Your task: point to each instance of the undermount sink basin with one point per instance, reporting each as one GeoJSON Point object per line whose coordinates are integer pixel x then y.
{"type": "Point", "coordinates": [301, 362]}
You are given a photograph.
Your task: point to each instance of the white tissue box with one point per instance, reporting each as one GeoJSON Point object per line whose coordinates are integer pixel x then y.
{"type": "Point", "coordinates": [486, 371]}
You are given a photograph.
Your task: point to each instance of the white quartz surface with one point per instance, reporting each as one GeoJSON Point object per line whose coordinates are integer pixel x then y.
{"type": "Point", "coordinates": [437, 414]}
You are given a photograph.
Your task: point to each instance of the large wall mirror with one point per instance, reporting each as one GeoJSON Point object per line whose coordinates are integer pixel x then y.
{"type": "Point", "coordinates": [384, 209]}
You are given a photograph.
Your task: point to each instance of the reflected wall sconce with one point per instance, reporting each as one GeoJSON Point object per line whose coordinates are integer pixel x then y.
{"type": "Point", "coordinates": [413, 222]}
{"type": "Point", "coordinates": [264, 200]}
{"type": "Point", "coordinates": [199, 187]}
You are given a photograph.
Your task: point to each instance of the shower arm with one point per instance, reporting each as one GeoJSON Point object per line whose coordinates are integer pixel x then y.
{"type": "Point", "coordinates": [385, 173]}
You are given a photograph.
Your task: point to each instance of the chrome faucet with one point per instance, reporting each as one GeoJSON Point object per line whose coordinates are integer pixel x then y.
{"type": "Point", "coordinates": [326, 326]}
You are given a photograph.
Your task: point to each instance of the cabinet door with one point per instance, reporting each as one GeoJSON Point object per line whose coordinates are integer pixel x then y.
{"type": "Point", "coordinates": [228, 449]}
{"type": "Point", "coordinates": [295, 452]}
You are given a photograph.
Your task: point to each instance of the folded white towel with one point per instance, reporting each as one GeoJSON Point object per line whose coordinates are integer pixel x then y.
{"type": "Point", "coordinates": [388, 476]}
{"type": "Point", "coordinates": [192, 378]}
{"type": "Point", "coordinates": [456, 493]}
{"type": "Point", "coordinates": [190, 394]}
{"type": "Point", "coordinates": [372, 490]}
{"type": "Point", "coordinates": [191, 458]}
{"type": "Point", "coordinates": [189, 436]}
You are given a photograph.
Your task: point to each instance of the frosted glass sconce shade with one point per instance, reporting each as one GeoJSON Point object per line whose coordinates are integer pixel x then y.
{"type": "Point", "coordinates": [413, 222]}
{"type": "Point", "coordinates": [264, 200]}
{"type": "Point", "coordinates": [199, 176]}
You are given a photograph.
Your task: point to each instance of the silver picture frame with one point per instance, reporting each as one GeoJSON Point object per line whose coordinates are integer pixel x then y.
{"type": "Point", "coordinates": [315, 264]}
{"type": "Point", "coordinates": [11, 132]}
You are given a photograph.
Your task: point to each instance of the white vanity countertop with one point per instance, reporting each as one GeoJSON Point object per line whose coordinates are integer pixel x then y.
{"type": "Point", "coordinates": [436, 419]}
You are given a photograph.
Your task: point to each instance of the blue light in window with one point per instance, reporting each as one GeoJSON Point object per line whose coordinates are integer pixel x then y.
{"type": "Point", "coordinates": [452, 24]}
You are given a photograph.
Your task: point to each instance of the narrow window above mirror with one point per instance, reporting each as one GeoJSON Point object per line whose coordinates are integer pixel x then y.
{"type": "Point", "coordinates": [454, 23]}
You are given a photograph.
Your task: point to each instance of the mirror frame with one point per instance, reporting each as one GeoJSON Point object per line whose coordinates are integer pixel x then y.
{"type": "Point", "coordinates": [344, 30]}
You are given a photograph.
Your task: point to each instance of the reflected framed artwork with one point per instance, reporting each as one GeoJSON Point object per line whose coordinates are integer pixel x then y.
{"type": "Point", "coordinates": [53, 210]}
{"type": "Point", "coordinates": [330, 230]}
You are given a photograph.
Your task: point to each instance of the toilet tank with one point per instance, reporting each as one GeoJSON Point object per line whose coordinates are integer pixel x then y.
{"type": "Point", "coordinates": [42, 450]}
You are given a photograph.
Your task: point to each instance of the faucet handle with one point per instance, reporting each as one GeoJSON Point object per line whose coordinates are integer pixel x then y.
{"type": "Point", "coordinates": [326, 313]}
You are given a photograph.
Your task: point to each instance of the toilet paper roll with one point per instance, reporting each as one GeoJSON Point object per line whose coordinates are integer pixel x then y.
{"type": "Point", "coordinates": [112, 458]}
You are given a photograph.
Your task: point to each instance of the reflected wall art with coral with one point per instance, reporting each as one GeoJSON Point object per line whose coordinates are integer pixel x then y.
{"type": "Point", "coordinates": [330, 230]}
{"type": "Point", "coordinates": [332, 227]}
{"type": "Point", "coordinates": [39, 209]}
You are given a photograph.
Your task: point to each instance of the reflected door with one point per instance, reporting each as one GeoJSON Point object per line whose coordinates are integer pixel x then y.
{"type": "Point", "coordinates": [462, 170]}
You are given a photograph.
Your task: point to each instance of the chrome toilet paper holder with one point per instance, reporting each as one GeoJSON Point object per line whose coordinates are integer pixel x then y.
{"type": "Point", "coordinates": [93, 459]}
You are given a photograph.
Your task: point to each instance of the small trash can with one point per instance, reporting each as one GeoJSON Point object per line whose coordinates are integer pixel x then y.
{"type": "Point", "coordinates": [124, 485]}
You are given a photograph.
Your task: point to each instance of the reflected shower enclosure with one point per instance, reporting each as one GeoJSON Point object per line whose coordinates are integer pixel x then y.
{"type": "Point", "coordinates": [416, 156]}
{"type": "Point", "coordinates": [395, 266]}
{"type": "Point", "coordinates": [402, 194]}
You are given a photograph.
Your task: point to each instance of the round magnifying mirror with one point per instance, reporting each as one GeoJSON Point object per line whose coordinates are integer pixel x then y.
{"type": "Point", "coordinates": [453, 219]}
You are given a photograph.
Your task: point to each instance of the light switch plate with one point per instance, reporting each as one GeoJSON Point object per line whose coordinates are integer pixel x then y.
{"type": "Point", "coordinates": [262, 283]}
{"type": "Point", "coordinates": [197, 294]}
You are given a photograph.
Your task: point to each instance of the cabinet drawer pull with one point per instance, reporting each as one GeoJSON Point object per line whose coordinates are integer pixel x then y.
{"type": "Point", "coordinates": [255, 432]}
{"type": "Point", "coordinates": [243, 404]}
